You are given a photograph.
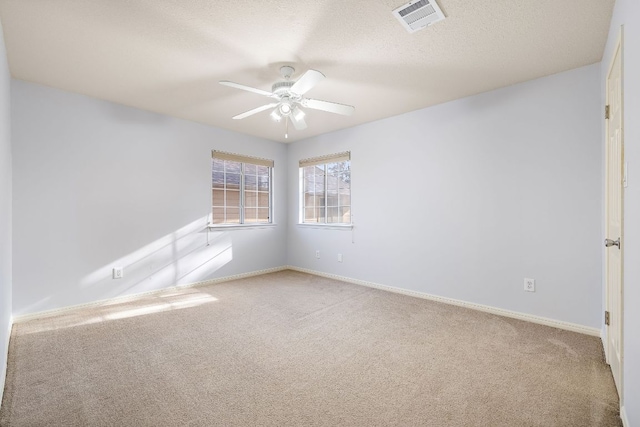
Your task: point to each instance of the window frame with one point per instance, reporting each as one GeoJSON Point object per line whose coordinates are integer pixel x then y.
{"type": "Point", "coordinates": [243, 160]}
{"type": "Point", "coordinates": [324, 161]}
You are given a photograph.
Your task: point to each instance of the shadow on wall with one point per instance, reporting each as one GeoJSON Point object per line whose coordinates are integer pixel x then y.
{"type": "Point", "coordinates": [188, 255]}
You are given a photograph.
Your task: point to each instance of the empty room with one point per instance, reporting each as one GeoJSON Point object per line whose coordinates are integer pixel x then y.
{"type": "Point", "coordinates": [319, 213]}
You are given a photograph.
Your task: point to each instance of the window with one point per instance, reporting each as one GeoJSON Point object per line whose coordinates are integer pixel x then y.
{"type": "Point", "coordinates": [326, 189]}
{"type": "Point", "coordinates": [241, 189]}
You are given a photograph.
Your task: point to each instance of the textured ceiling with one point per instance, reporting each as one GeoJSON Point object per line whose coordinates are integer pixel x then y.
{"type": "Point", "coordinates": [168, 56]}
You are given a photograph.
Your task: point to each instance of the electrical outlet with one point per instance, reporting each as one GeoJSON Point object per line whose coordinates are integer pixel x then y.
{"type": "Point", "coordinates": [318, 254]}
{"type": "Point", "coordinates": [529, 285]}
{"type": "Point", "coordinates": [118, 272]}
{"type": "Point", "coordinates": [339, 257]}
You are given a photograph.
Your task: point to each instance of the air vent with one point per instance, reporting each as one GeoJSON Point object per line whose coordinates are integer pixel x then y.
{"type": "Point", "coordinates": [417, 15]}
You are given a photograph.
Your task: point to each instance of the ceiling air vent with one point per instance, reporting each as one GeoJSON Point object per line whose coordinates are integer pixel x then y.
{"type": "Point", "coordinates": [417, 15]}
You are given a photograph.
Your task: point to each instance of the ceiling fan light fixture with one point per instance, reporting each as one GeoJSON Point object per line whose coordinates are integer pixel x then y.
{"type": "Point", "coordinates": [298, 114]}
{"type": "Point", "coordinates": [285, 109]}
{"type": "Point", "coordinates": [275, 115]}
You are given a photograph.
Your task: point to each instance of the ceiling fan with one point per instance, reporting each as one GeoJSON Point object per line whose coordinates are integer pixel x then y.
{"type": "Point", "coordinates": [288, 98]}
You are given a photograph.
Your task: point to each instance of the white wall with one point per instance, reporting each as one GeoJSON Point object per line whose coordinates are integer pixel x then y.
{"type": "Point", "coordinates": [627, 13]}
{"type": "Point", "coordinates": [5, 211]}
{"type": "Point", "coordinates": [98, 185]}
{"type": "Point", "coordinates": [466, 199]}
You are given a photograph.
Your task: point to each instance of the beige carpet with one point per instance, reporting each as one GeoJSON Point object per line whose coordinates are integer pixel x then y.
{"type": "Point", "coordinates": [290, 349]}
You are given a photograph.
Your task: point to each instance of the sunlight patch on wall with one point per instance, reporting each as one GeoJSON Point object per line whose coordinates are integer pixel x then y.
{"type": "Point", "coordinates": [187, 255]}
{"type": "Point", "coordinates": [161, 245]}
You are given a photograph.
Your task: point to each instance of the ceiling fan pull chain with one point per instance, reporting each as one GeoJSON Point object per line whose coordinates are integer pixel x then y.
{"type": "Point", "coordinates": [286, 127]}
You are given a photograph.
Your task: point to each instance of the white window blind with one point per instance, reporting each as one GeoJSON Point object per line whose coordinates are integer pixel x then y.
{"type": "Point", "coordinates": [242, 159]}
{"type": "Point", "coordinates": [331, 158]}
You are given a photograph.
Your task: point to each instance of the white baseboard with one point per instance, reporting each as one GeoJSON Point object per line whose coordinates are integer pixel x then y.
{"type": "Point", "coordinates": [134, 297]}
{"type": "Point", "coordinates": [623, 416]}
{"type": "Point", "coordinates": [480, 307]}
{"type": "Point", "coordinates": [485, 308]}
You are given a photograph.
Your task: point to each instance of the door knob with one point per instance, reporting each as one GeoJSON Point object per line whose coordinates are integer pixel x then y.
{"type": "Point", "coordinates": [608, 243]}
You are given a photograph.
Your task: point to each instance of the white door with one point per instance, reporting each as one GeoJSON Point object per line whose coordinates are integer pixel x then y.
{"type": "Point", "coordinates": [613, 226]}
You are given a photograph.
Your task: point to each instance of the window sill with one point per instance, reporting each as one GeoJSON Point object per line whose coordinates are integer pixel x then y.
{"type": "Point", "coordinates": [343, 227]}
{"type": "Point", "coordinates": [220, 227]}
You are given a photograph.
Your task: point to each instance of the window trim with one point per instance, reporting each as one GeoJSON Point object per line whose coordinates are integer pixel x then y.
{"type": "Point", "coordinates": [240, 226]}
{"type": "Point", "coordinates": [330, 226]}
{"type": "Point", "coordinates": [243, 160]}
{"type": "Point", "coordinates": [323, 160]}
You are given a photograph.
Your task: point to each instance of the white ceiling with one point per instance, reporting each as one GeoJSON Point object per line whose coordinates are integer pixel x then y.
{"type": "Point", "coordinates": [168, 56]}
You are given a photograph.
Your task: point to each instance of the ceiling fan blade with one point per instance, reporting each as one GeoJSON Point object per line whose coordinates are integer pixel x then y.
{"type": "Point", "coordinates": [331, 107]}
{"type": "Point", "coordinates": [247, 88]}
{"type": "Point", "coordinates": [254, 111]}
{"type": "Point", "coordinates": [299, 122]}
{"type": "Point", "coordinates": [306, 82]}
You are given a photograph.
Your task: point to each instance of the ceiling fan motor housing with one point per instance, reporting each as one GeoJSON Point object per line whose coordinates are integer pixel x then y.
{"type": "Point", "coordinates": [281, 88]}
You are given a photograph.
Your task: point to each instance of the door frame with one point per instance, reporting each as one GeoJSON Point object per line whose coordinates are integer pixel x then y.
{"type": "Point", "coordinates": [618, 50]}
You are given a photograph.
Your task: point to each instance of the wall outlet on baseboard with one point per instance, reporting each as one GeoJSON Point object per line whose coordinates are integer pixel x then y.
{"type": "Point", "coordinates": [529, 285]}
{"type": "Point", "coordinates": [118, 272]}
{"type": "Point", "coordinates": [318, 254]}
{"type": "Point", "coordinates": [339, 257]}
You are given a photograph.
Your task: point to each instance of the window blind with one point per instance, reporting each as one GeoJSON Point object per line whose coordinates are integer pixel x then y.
{"type": "Point", "coordinates": [243, 159]}
{"type": "Point", "coordinates": [331, 158]}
